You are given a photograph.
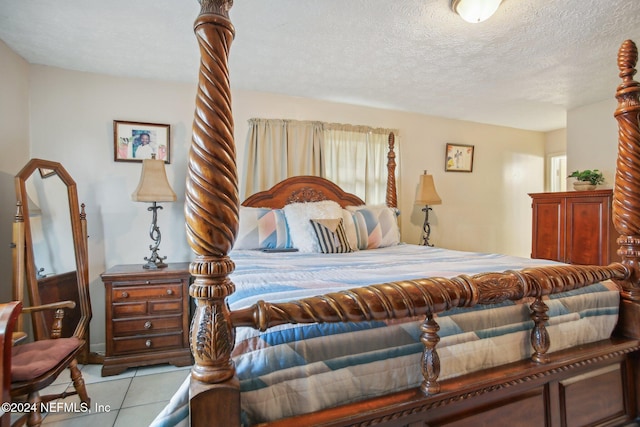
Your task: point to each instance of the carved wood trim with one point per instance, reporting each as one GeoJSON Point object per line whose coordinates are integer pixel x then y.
{"type": "Point", "coordinates": [412, 298]}
{"type": "Point", "coordinates": [626, 196]}
{"type": "Point", "coordinates": [626, 193]}
{"type": "Point", "coordinates": [401, 405]}
{"type": "Point", "coordinates": [392, 192]}
{"type": "Point", "coordinates": [425, 296]}
{"type": "Point", "coordinates": [304, 188]}
{"type": "Point", "coordinates": [211, 206]}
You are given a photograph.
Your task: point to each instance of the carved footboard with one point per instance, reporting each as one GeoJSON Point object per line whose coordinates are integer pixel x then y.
{"type": "Point", "coordinates": [211, 212]}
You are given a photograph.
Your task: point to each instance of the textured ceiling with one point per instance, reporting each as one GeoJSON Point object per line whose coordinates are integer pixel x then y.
{"type": "Point", "coordinates": [524, 67]}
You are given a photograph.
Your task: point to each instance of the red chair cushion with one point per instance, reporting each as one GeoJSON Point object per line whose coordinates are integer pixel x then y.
{"type": "Point", "coordinates": [30, 360]}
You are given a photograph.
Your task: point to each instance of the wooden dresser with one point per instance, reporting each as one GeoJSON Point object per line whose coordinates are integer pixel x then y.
{"type": "Point", "coordinates": [574, 227]}
{"type": "Point", "coordinates": [147, 316]}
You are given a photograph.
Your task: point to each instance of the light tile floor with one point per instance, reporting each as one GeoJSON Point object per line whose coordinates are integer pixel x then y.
{"type": "Point", "coordinates": [133, 398]}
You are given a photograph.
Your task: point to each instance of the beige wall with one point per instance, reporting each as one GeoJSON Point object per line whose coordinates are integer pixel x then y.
{"type": "Point", "coordinates": [71, 121]}
{"type": "Point", "coordinates": [14, 145]}
{"type": "Point", "coordinates": [555, 141]}
{"type": "Point", "coordinates": [592, 139]}
{"type": "Point", "coordinates": [72, 117]}
{"type": "Point", "coordinates": [487, 210]}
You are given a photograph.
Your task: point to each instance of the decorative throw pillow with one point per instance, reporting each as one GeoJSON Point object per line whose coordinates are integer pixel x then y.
{"type": "Point", "coordinates": [349, 223]}
{"type": "Point", "coordinates": [376, 226]}
{"type": "Point", "coordinates": [262, 228]}
{"type": "Point", "coordinates": [298, 215]}
{"type": "Point", "coordinates": [331, 236]}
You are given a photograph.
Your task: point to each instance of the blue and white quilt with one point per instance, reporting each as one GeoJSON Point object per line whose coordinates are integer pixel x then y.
{"type": "Point", "coordinates": [294, 369]}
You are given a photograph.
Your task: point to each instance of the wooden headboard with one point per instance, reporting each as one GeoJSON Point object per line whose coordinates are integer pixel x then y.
{"type": "Point", "coordinates": [304, 188]}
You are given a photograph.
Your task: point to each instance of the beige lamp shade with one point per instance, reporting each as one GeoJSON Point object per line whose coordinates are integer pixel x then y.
{"type": "Point", "coordinates": [154, 185]}
{"type": "Point", "coordinates": [427, 194]}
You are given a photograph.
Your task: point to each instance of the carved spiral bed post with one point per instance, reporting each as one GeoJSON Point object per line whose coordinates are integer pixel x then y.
{"type": "Point", "coordinates": [211, 211]}
{"type": "Point", "coordinates": [626, 197]}
{"type": "Point", "coordinates": [391, 197]}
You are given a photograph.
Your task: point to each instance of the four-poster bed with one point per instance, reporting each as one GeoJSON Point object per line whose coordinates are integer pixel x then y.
{"type": "Point", "coordinates": [588, 384]}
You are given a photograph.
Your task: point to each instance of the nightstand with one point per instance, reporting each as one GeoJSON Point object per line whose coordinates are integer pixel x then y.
{"type": "Point", "coordinates": [147, 316]}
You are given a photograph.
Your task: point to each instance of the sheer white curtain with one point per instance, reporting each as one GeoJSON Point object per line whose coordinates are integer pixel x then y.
{"type": "Point", "coordinates": [356, 160]}
{"type": "Point", "coordinates": [353, 157]}
{"type": "Point", "coordinates": [278, 149]}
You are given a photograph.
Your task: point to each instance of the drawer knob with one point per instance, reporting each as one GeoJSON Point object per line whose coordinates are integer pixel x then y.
{"type": "Point", "coordinates": [125, 295]}
{"type": "Point", "coordinates": [169, 291]}
{"type": "Point", "coordinates": [148, 282]}
{"type": "Point", "coordinates": [148, 343]}
{"type": "Point", "coordinates": [147, 325]}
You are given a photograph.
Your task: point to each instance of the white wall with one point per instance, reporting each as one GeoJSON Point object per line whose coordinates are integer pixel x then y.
{"type": "Point", "coordinates": [71, 121]}
{"type": "Point", "coordinates": [14, 145]}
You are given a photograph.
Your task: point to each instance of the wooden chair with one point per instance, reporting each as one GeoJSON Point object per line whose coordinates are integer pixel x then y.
{"type": "Point", "coordinates": [36, 364]}
{"type": "Point", "coordinates": [8, 314]}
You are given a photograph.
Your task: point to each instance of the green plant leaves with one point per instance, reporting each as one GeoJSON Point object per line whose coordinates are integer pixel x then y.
{"type": "Point", "coordinates": [593, 176]}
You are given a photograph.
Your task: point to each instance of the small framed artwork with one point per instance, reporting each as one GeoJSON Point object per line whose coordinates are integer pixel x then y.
{"type": "Point", "coordinates": [459, 158]}
{"type": "Point", "coordinates": [136, 141]}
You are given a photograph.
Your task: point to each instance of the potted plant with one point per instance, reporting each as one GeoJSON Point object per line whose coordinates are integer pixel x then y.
{"type": "Point", "coordinates": [586, 179]}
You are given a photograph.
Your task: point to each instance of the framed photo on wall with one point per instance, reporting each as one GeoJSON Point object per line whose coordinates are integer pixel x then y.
{"type": "Point", "coordinates": [136, 141]}
{"type": "Point", "coordinates": [459, 158]}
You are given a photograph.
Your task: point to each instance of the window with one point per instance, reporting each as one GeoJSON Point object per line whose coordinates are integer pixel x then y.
{"type": "Point", "coordinates": [353, 157]}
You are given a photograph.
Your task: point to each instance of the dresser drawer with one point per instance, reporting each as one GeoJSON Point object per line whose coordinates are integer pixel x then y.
{"type": "Point", "coordinates": [148, 343]}
{"type": "Point", "coordinates": [134, 293]}
{"type": "Point", "coordinates": [149, 325]}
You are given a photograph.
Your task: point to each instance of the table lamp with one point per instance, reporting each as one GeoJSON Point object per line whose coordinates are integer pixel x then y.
{"type": "Point", "coordinates": [427, 195]}
{"type": "Point", "coordinates": [153, 188]}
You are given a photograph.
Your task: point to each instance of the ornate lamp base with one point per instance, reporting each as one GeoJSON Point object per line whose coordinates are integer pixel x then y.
{"type": "Point", "coordinates": [154, 261]}
{"type": "Point", "coordinates": [426, 228]}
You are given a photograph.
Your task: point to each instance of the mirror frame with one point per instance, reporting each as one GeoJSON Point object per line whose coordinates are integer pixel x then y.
{"type": "Point", "coordinates": [79, 232]}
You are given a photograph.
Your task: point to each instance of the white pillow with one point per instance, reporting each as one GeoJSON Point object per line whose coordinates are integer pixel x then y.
{"type": "Point", "coordinates": [298, 219]}
{"type": "Point", "coordinates": [376, 226]}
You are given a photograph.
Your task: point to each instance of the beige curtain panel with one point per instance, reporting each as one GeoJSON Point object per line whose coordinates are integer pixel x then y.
{"type": "Point", "coordinates": [354, 157]}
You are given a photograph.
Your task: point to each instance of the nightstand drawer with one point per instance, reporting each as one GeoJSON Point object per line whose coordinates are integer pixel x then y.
{"type": "Point", "coordinates": [134, 293]}
{"type": "Point", "coordinates": [165, 307]}
{"type": "Point", "coordinates": [147, 343]}
{"type": "Point", "coordinates": [149, 325]}
{"type": "Point", "coordinates": [129, 309]}
{"type": "Point", "coordinates": [142, 308]}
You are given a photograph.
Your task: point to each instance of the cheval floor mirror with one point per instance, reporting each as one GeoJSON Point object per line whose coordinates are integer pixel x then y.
{"type": "Point", "coordinates": [50, 255]}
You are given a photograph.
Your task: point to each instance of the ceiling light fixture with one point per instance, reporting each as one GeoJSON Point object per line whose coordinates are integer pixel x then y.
{"type": "Point", "coordinates": [475, 11]}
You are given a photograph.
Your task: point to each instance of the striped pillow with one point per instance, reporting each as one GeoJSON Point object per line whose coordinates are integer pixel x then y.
{"type": "Point", "coordinates": [262, 228]}
{"type": "Point", "coordinates": [331, 236]}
